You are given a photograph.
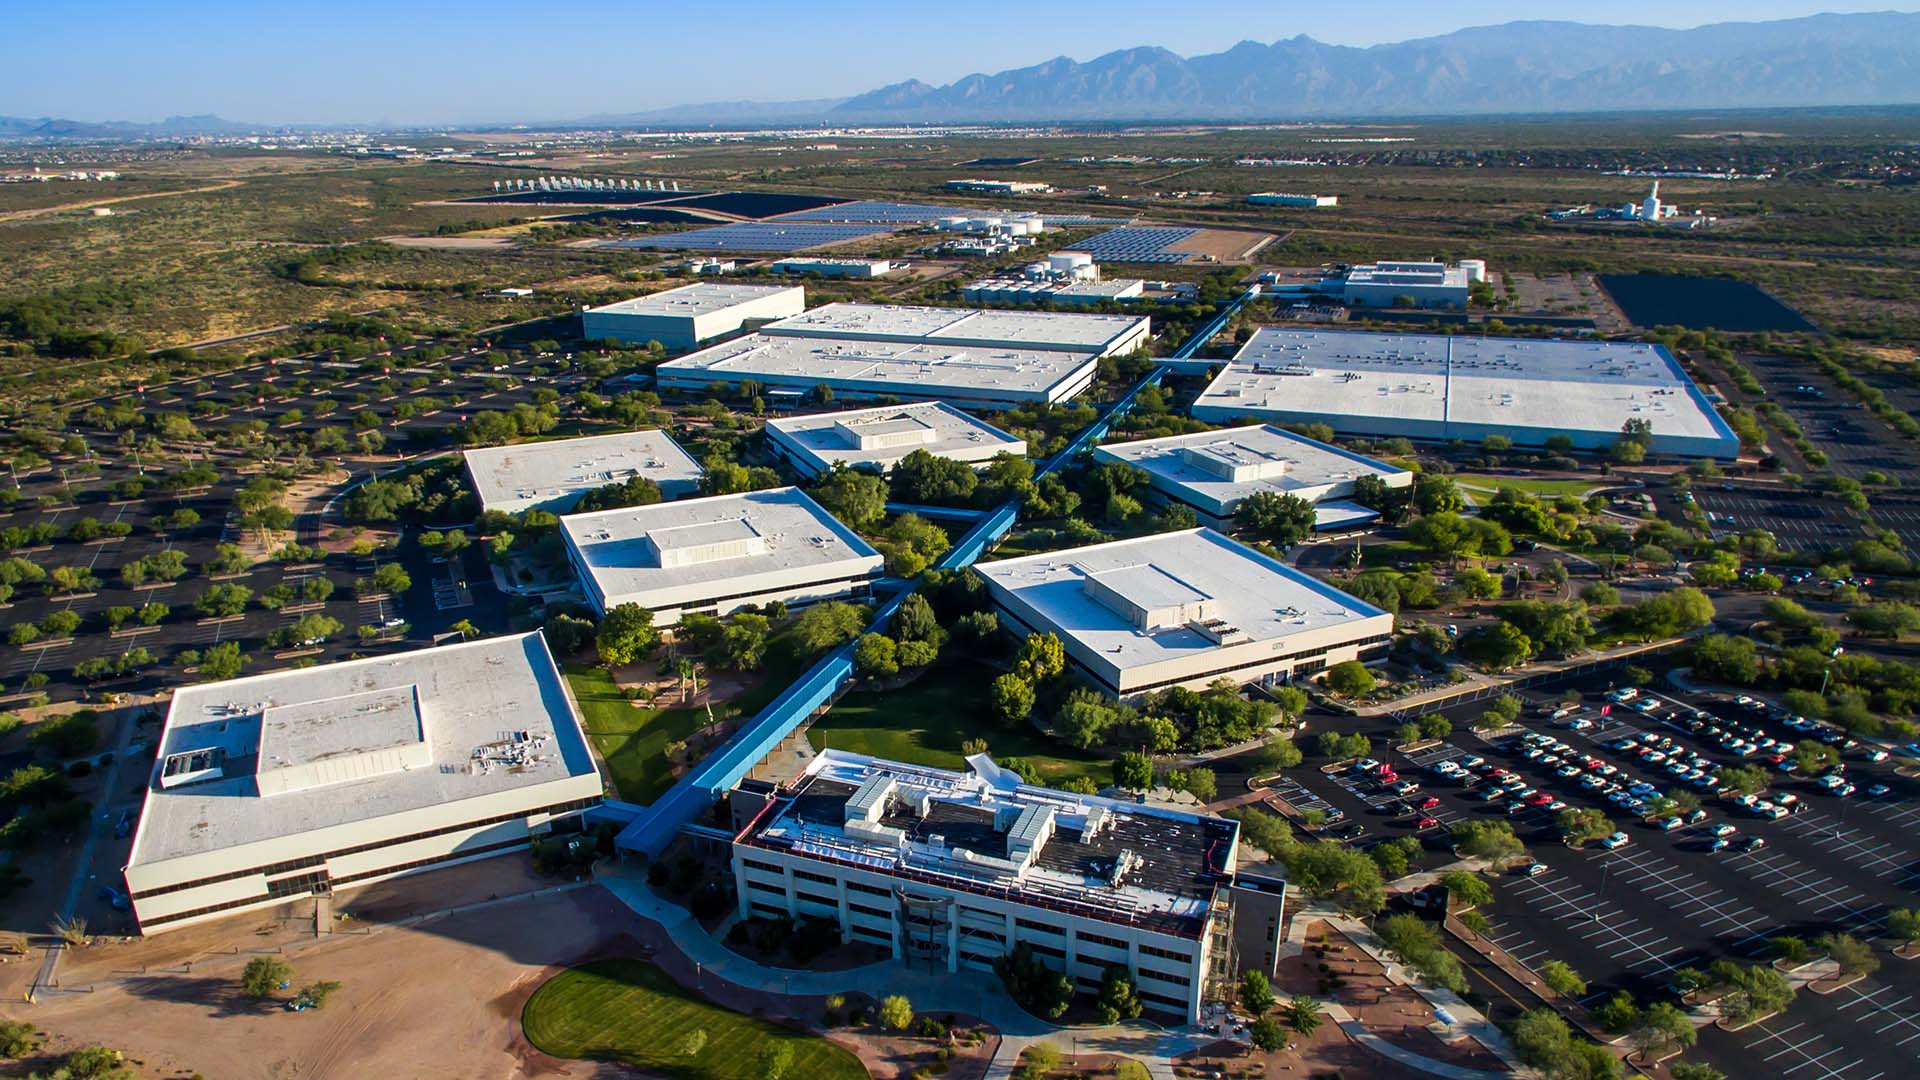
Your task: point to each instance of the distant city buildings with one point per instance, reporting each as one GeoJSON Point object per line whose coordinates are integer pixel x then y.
{"type": "Point", "coordinates": [1648, 211]}
{"type": "Point", "coordinates": [1000, 187]}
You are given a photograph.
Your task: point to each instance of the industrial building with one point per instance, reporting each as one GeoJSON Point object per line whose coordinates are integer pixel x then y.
{"type": "Point", "coordinates": [974, 377]}
{"type": "Point", "coordinates": [553, 475]}
{"type": "Point", "coordinates": [1026, 290]}
{"type": "Point", "coordinates": [1183, 609]}
{"type": "Point", "coordinates": [1213, 472]}
{"type": "Point", "coordinates": [1101, 335]}
{"type": "Point", "coordinates": [682, 318]}
{"type": "Point", "coordinates": [717, 555]}
{"type": "Point", "coordinates": [274, 787]}
{"type": "Point", "coordinates": [1000, 187]}
{"type": "Point", "coordinates": [1282, 198]}
{"type": "Point", "coordinates": [953, 870]}
{"type": "Point", "coordinates": [1440, 388]}
{"type": "Point", "coordinates": [834, 268]}
{"type": "Point", "coordinates": [878, 438]}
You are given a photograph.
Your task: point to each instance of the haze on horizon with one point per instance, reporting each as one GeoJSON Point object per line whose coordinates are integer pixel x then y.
{"type": "Point", "coordinates": [487, 61]}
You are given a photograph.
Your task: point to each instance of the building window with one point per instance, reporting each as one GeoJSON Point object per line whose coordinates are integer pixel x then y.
{"type": "Point", "coordinates": [816, 898]}
{"type": "Point", "coordinates": [808, 875]}
{"type": "Point", "coordinates": [1045, 928]}
{"type": "Point", "coordinates": [764, 867]}
{"type": "Point", "coordinates": [761, 886]}
{"type": "Point", "coordinates": [1048, 950]}
{"type": "Point", "coordinates": [870, 890]}
{"type": "Point", "coordinates": [1166, 954]}
{"type": "Point", "coordinates": [1098, 939]}
{"type": "Point", "coordinates": [871, 913]}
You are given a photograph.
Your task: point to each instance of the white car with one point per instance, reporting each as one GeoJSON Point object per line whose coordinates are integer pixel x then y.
{"type": "Point", "coordinates": [1722, 830]}
{"type": "Point", "coordinates": [1617, 840]}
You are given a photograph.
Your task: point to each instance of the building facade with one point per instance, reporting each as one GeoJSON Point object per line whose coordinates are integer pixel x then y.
{"type": "Point", "coordinates": [276, 787]}
{"type": "Point", "coordinates": [877, 439]}
{"type": "Point", "coordinates": [682, 318]}
{"type": "Point", "coordinates": [955, 870]}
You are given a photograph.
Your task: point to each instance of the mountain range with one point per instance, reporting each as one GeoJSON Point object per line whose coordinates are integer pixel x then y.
{"type": "Point", "coordinates": [1516, 67]}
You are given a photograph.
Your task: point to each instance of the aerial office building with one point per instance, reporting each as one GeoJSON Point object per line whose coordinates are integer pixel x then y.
{"type": "Point", "coordinates": [684, 317]}
{"type": "Point", "coordinates": [1101, 335]}
{"type": "Point", "coordinates": [834, 268]}
{"type": "Point", "coordinates": [1183, 609]}
{"type": "Point", "coordinates": [1439, 387]}
{"type": "Point", "coordinates": [879, 438]}
{"type": "Point", "coordinates": [1213, 472]}
{"type": "Point", "coordinates": [553, 475]}
{"type": "Point", "coordinates": [970, 376]}
{"type": "Point", "coordinates": [954, 870]}
{"type": "Point", "coordinates": [718, 555]}
{"type": "Point", "coordinates": [273, 787]}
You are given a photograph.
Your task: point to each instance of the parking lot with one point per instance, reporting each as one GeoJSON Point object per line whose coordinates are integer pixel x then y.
{"type": "Point", "coordinates": [1797, 520]}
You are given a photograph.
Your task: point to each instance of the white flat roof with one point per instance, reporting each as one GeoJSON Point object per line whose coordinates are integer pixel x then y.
{"type": "Point", "coordinates": [699, 298]}
{"type": "Point", "coordinates": [670, 554]}
{"type": "Point", "coordinates": [1220, 468]}
{"type": "Point", "coordinates": [1071, 332]}
{"type": "Point", "coordinates": [539, 471]}
{"type": "Point", "coordinates": [1444, 386]}
{"type": "Point", "coordinates": [910, 368]}
{"type": "Point", "coordinates": [891, 432]}
{"type": "Point", "coordinates": [358, 740]}
{"type": "Point", "coordinates": [1193, 574]}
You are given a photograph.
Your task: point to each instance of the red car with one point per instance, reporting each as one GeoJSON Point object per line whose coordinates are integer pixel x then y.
{"type": "Point", "coordinates": [1426, 823]}
{"type": "Point", "coordinates": [1386, 776]}
{"type": "Point", "coordinates": [1429, 802]}
{"type": "Point", "coordinates": [1539, 798]}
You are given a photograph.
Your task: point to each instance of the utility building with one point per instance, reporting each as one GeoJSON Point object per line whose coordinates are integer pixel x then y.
{"type": "Point", "coordinates": [877, 439]}
{"type": "Point", "coordinates": [1183, 609]}
{"type": "Point", "coordinates": [1101, 335]}
{"type": "Point", "coordinates": [718, 555]}
{"type": "Point", "coordinates": [954, 870]}
{"type": "Point", "coordinates": [682, 318]}
{"type": "Point", "coordinates": [553, 475]}
{"type": "Point", "coordinates": [1213, 472]}
{"type": "Point", "coordinates": [274, 787]}
{"type": "Point", "coordinates": [1438, 387]}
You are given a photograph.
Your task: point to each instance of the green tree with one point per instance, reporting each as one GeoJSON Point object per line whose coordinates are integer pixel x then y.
{"type": "Point", "coordinates": [1041, 657]}
{"type": "Point", "coordinates": [874, 656]}
{"type": "Point", "coordinates": [1278, 518]}
{"type": "Point", "coordinates": [692, 1043]}
{"type": "Point", "coordinates": [1013, 698]}
{"type": "Point", "coordinates": [1618, 1014]}
{"type": "Point", "coordinates": [1256, 993]}
{"type": "Point", "coordinates": [626, 635]}
{"type": "Point", "coordinates": [1578, 824]}
{"type": "Point", "coordinates": [1266, 1034]}
{"type": "Point", "coordinates": [1562, 978]}
{"type": "Point", "coordinates": [896, 1012]}
{"type": "Point", "coordinates": [826, 626]}
{"type": "Point", "coordinates": [1467, 890]}
{"type": "Point", "coordinates": [1695, 1070]}
{"type": "Point", "coordinates": [1119, 999]}
{"type": "Point", "coordinates": [17, 1039]}
{"type": "Point", "coordinates": [221, 662]}
{"type": "Point", "coordinates": [1304, 1014]}
{"type": "Point", "coordinates": [1133, 771]}
{"type": "Point", "coordinates": [776, 1059]}
{"type": "Point", "coordinates": [1662, 1027]}
{"type": "Point", "coordinates": [1350, 678]}
{"type": "Point", "coordinates": [315, 995]}
{"type": "Point", "coordinates": [855, 496]}
{"type": "Point", "coordinates": [264, 975]}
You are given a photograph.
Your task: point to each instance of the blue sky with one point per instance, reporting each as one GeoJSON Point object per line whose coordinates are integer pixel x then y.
{"type": "Point", "coordinates": [427, 61]}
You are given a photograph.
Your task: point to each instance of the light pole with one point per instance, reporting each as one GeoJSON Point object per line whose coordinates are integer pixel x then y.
{"type": "Point", "coordinates": [1600, 897]}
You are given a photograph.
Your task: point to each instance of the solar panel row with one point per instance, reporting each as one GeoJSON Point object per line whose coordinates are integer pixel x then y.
{"type": "Point", "coordinates": [1138, 244]}
{"type": "Point", "coordinates": [874, 210]}
{"type": "Point", "coordinates": [753, 236]}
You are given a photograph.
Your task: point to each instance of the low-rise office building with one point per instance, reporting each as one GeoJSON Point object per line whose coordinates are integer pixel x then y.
{"type": "Point", "coordinates": [1441, 387]}
{"type": "Point", "coordinates": [684, 317]}
{"type": "Point", "coordinates": [554, 474]}
{"type": "Point", "coordinates": [1101, 335]}
{"type": "Point", "coordinates": [956, 869]}
{"type": "Point", "coordinates": [969, 376]}
{"type": "Point", "coordinates": [274, 787]}
{"type": "Point", "coordinates": [1213, 472]}
{"type": "Point", "coordinates": [718, 555]}
{"type": "Point", "coordinates": [834, 268]}
{"type": "Point", "coordinates": [878, 438]}
{"type": "Point", "coordinates": [1285, 198]}
{"type": "Point", "coordinates": [1183, 609]}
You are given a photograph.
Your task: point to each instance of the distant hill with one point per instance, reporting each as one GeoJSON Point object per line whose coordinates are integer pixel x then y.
{"type": "Point", "coordinates": [173, 127]}
{"type": "Point", "coordinates": [1823, 60]}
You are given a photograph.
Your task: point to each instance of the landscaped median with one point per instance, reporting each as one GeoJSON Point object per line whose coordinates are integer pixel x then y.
{"type": "Point", "coordinates": [631, 1012]}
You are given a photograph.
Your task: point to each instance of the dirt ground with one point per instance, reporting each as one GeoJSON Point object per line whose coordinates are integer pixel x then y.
{"type": "Point", "coordinates": [469, 973]}
{"type": "Point", "coordinates": [1393, 1012]}
{"type": "Point", "coordinates": [1226, 245]}
{"type": "Point", "coordinates": [1327, 1052]}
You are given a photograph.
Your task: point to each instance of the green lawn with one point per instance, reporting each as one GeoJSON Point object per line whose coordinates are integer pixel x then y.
{"type": "Point", "coordinates": [924, 723]}
{"type": "Point", "coordinates": [633, 741]}
{"type": "Point", "coordinates": [630, 1012]}
{"type": "Point", "coordinates": [1530, 485]}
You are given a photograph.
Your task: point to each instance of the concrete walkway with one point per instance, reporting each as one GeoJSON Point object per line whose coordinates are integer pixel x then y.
{"type": "Point", "coordinates": [976, 993]}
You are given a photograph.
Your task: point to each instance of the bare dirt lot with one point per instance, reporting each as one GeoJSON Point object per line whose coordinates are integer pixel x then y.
{"type": "Point", "coordinates": [1226, 245]}
{"type": "Point", "coordinates": [469, 972]}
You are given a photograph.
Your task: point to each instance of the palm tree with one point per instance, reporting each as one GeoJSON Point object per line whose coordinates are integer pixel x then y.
{"type": "Point", "coordinates": [1304, 1014]}
{"type": "Point", "coordinates": [689, 673]}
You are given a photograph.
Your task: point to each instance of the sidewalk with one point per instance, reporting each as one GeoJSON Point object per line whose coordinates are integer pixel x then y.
{"type": "Point", "coordinates": [1488, 685]}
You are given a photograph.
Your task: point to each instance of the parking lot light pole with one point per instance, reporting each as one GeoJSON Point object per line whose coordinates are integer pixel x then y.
{"type": "Point", "coordinates": [1600, 897]}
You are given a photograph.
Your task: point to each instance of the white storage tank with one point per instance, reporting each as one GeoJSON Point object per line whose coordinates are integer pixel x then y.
{"type": "Point", "coordinates": [1066, 262]}
{"type": "Point", "coordinates": [1476, 269]}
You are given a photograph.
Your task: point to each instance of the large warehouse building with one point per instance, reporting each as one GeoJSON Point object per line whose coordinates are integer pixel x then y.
{"type": "Point", "coordinates": [553, 475]}
{"type": "Point", "coordinates": [1101, 335]}
{"type": "Point", "coordinates": [718, 555]}
{"type": "Point", "coordinates": [291, 784]}
{"type": "Point", "coordinates": [1183, 609]}
{"type": "Point", "coordinates": [684, 317]}
{"type": "Point", "coordinates": [1439, 388]}
{"type": "Point", "coordinates": [978, 377]}
{"type": "Point", "coordinates": [1213, 472]}
{"type": "Point", "coordinates": [954, 870]}
{"type": "Point", "coordinates": [879, 438]}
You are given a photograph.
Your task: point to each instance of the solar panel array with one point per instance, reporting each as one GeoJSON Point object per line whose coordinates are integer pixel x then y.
{"type": "Point", "coordinates": [753, 236]}
{"type": "Point", "coordinates": [1057, 221]}
{"type": "Point", "coordinates": [892, 213]}
{"type": "Point", "coordinates": [1138, 244]}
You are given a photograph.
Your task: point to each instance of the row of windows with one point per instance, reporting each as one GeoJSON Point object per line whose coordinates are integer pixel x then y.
{"type": "Point", "coordinates": [870, 890]}
{"type": "Point", "coordinates": [1177, 980]}
{"type": "Point", "coordinates": [1172, 1004]}
{"type": "Point", "coordinates": [873, 935]}
{"type": "Point", "coordinates": [1166, 954]}
{"type": "Point", "coordinates": [872, 913]}
{"type": "Point", "coordinates": [1308, 656]}
{"type": "Point", "coordinates": [808, 875]}
{"type": "Point", "coordinates": [823, 901]}
{"type": "Point", "coordinates": [1097, 939]}
{"type": "Point", "coordinates": [1047, 950]}
{"type": "Point", "coordinates": [765, 867]}
{"type": "Point", "coordinates": [709, 605]}
{"type": "Point", "coordinates": [307, 861]}
{"type": "Point", "coordinates": [761, 886]}
{"type": "Point", "coordinates": [293, 885]}
{"type": "Point", "coordinates": [767, 912]}
{"type": "Point", "coordinates": [1045, 928]}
